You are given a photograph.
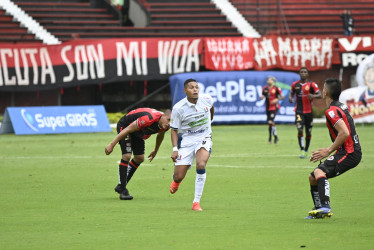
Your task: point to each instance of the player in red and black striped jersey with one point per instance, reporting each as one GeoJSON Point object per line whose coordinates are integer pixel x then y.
{"type": "Point", "coordinates": [133, 128]}
{"type": "Point", "coordinates": [346, 144]}
{"type": "Point", "coordinates": [273, 95]}
{"type": "Point", "coordinates": [305, 92]}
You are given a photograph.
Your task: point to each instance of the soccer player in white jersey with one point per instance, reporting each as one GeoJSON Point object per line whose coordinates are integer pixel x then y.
{"type": "Point", "coordinates": [191, 117]}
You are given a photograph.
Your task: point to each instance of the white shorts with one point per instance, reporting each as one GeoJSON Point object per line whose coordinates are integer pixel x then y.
{"type": "Point", "coordinates": [186, 155]}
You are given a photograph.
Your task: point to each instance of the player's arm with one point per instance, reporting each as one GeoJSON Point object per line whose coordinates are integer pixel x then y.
{"type": "Point", "coordinates": [279, 97]}
{"type": "Point", "coordinates": [343, 133]}
{"type": "Point", "coordinates": [128, 130]}
{"type": "Point", "coordinates": [211, 113]}
{"type": "Point", "coordinates": [174, 142]}
{"type": "Point", "coordinates": [290, 96]}
{"type": "Point", "coordinates": [317, 94]}
{"type": "Point", "coordinates": [159, 139]}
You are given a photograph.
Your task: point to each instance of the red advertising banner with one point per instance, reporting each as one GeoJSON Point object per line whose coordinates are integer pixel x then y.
{"type": "Point", "coordinates": [356, 44]}
{"type": "Point", "coordinates": [291, 53]}
{"type": "Point", "coordinates": [229, 53]}
{"type": "Point", "coordinates": [30, 66]}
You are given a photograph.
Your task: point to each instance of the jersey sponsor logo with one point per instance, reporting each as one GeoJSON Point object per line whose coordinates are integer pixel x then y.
{"type": "Point", "coordinates": [331, 114]}
{"type": "Point", "coordinates": [273, 91]}
{"type": "Point", "coordinates": [198, 123]}
{"type": "Point", "coordinates": [307, 88]}
{"type": "Point", "coordinates": [196, 132]}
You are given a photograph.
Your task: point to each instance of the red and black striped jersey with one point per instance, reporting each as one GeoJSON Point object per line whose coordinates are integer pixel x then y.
{"type": "Point", "coordinates": [339, 112]}
{"type": "Point", "coordinates": [271, 94]}
{"type": "Point", "coordinates": [302, 90]}
{"type": "Point", "coordinates": [146, 120]}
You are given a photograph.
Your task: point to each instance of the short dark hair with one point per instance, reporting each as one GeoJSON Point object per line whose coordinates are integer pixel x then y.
{"type": "Point", "coordinates": [334, 88]}
{"type": "Point", "coordinates": [304, 68]}
{"type": "Point", "coordinates": [188, 81]}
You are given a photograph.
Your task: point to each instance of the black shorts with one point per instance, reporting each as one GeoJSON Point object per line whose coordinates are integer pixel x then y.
{"type": "Point", "coordinates": [271, 115]}
{"type": "Point", "coordinates": [339, 163]}
{"type": "Point", "coordinates": [304, 119]}
{"type": "Point", "coordinates": [131, 144]}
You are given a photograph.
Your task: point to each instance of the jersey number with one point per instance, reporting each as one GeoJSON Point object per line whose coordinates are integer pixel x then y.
{"type": "Point", "coordinates": [298, 118]}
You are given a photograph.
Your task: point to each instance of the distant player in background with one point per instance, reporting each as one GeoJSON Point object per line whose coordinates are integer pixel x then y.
{"type": "Point", "coordinates": [192, 118]}
{"type": "Point", "coordinates": [273, 95]}
{"type": "Point", "coordinates": [133, 128]}
{"type": "Point", "coordinates": [346, 144]}
{"type": "Point", "coordinates": [305, 92]}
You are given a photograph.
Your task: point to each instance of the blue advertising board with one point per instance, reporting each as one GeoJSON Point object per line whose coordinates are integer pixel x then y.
{"type": "Point", "coordinates": [237, 94]}
{"type": "Point", "coordinates": [55, 120]}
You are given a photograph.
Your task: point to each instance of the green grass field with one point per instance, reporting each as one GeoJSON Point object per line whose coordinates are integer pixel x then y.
{"type": "Point", "coordinates": [57, 193]}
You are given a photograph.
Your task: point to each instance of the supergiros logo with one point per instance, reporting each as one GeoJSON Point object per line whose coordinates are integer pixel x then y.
{"type": "Point", "coordinates": [39, 121]}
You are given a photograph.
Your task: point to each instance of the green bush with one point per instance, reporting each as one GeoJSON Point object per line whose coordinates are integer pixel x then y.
{"type": "Point", "coordinates": [318, 112]}
{"type": "Point", "coordinates": [114, 117]}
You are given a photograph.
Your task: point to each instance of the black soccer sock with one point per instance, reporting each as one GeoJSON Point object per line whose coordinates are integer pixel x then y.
{"type": "Point", "coordinates": [307, 142]}
{"type": "Point", "coordinates": [270, 131]}
{"type": "Point", "coordinates": [315, 196]}
{"type": "Point", "coordinates": [301, 141]}
{"type": "Point", "coordinates": [122, 172]}
{"type": "Point", "coordinates": [324, 191]}
{"type": "Point", "coordinates": [133, 166]}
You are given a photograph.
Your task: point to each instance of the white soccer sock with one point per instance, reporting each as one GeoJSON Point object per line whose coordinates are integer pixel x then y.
{"type": "Point", "coordinates": [274, 130]}
{"type": "Point", "coordinates": [199, 186]}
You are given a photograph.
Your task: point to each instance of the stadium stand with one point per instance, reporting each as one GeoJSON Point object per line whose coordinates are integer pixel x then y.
{"type": "Point", "coordinates": [308, 17]}
{"type": "Point", "coordinates": [11, 31]}
{"type": "Point", "coordinates": [72, 18]}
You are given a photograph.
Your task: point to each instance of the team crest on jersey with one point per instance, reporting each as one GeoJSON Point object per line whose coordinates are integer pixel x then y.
{"type": "Point", "coordinates": [330, 158]}
{"type": "Point", "coordinates": [206, 109]}
{"type": "Point", "coordinates": [331, 114]}
{"type": "Point", "coordinates": [307, 88]}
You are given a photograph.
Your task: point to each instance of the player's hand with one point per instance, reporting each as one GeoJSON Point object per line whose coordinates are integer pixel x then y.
{"type": "Point", "coordinates": [320, 154]}
{"type": "Point", "coordinates": [152, 155]}
{"type": "Point", "coordinates": [109, 149]}
{"type": "Point", "coordinates": [290, 99]}
{"type": "Point", "coordinates": [310, 96]}
{"type": "Point", "coordinates": [174, 156]}
{"type": "Point", "coordinates": [275, 101]}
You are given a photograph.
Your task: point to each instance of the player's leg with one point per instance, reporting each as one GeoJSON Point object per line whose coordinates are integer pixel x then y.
{"type": "Point", "coordinates": [202, 157]}
{"type": "Point", "coordinates": [308, 130]}
{"type": "Point", "coordinates": [185, 159]}
{"type": "Point", "coordinates": [300, 135]}
{"type": "Point", "coordinates": [138, 147]}
{"type": "Point", "coordinates": [270, 125]}
{"type": "Point", "coordinates": [274, 129]}
{"type": "Point", "coordinates": [180, 172]}
{"type": "Point", "coordinates": [126, 150]}
{"type": "Point", "coordinates": [314, 193]}
{"type": "Point", "coordinates": [325, 170]}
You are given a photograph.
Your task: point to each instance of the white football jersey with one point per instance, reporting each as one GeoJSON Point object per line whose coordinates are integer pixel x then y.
{"type": "Point", "coordinates": [192, 120]}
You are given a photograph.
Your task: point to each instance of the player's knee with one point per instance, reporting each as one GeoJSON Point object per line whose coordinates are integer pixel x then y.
{"type": "Point", "coordinates": [312, 180]}
{"type": "Point", "coordinates": [126, 157]}
{"type": "Point", "coordinates": [138, 158]}
{"type": "Point", "coordinates": [318, 173]}
{"type": "Point", "coordinates": [200, 165]}
{"type": "Point", "coordinates": [300, 133]}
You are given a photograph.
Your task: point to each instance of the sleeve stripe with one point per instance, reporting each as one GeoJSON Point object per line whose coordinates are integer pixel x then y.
{"type": "Point", "coordinates": [337, 122]}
